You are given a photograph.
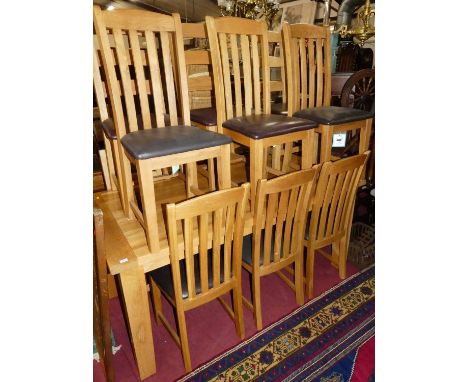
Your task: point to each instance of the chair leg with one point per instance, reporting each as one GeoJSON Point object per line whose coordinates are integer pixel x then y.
{"type": "Point", "coordinates": [298, 279]}
{"type": "Point", "coordinates": [211, 175]}
{"type": "Point", "coordinates": [342, 251]}
{"type": "Point", "coordinates": [238, 311]}
{"type": "Point", "coordinates": [256, 300]}
{"type": "Point", "coordinates": [310, 272]}
{"type": "Point", "coordinates": [326, 143]}
{"type": "Point", "coordinates": [156, 295]}
{"type": "Point", "coordinates": [184, 339]}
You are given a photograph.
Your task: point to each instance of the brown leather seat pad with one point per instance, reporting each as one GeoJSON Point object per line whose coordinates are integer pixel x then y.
{"type": "Point", "coordinates": [333, 115]}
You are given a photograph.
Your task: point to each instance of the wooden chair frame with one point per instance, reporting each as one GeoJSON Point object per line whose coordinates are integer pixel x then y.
{"type": "Point", "coordinates": [308, 72]}
{"type": "Point", "coordinates": [136, 24]}
{"type": "Point", "coordinates": [281, 203]}
{"type": "Point", "coordinates": [220, 221]}
{"type": "Point", "coordinates": [111, 155]}
{"type": "Point", "coordinates": [255, 97]}
{"type": "Point", "coordinates": [331, 209]}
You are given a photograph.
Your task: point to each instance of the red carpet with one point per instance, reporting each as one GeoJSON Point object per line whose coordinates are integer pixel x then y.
{"type": "Point", "coordinates": [210, 330]}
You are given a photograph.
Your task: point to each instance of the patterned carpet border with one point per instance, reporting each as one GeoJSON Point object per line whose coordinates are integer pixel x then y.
{"type": "Point", "coordinates": [304, 342]}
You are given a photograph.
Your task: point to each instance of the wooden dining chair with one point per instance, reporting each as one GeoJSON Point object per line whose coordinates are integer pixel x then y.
{"type": "Point", "coordinates": [331, 214]}
{"type": "Point", "coordinates": [243, 97]}
{"type": "Point", "coordinates": [278, 229]}
{"type": "Point", "coordinates": [308, 73]}
{"type": "Point", "coordinates": [211, 227]}
{"type": "Point", "coordinates": [101, 322]}
{"type": "Point", "coordinates": [278, 86]}
{"type": "Point", "coordinates": [143, 42]}
{"type": "Point", "coordinates": [200, 82]}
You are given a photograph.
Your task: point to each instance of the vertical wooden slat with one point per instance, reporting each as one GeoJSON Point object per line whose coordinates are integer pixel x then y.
{"type": "Point", "coordinates": [228, 238]}
{"type": "Point", "coordinates": [296, 73]}
{"type": "Point", "coordinates": [319, 52]}
{"type": "Point", "coordinates": [272, 208]}
{"type": "Point", "coordinates": [290, 220]}
{"type": "Point", "coordinates": [265, 71]}
{"type": "Point", "coordinates": [334, 204]}
{"type": "Point", "coordinates": [189, 260]}
{"type": "Point", "coordinates": [226, 74]}
{"type": "Point", "coordinates": [155, 78]}
{"type": "Point", "coordinates": [203, 252]}
{"type": "Point", "coordinates": [327, 71]}
{"type": "Point", "coordinates": [303, 64]}
{"type": "Point", "coordinates": [217, 221]}
{"type": "Point", "coordinates": [311, 73]}
{"type": "Point", "coordinates": [236, 71]}
{"type": "Point", "coordinates": [256, 73]}
{"type": "Point", "coordinates": [182, 75]}
{"type": "Point", "coordinates": [247, 74]}
{"type": "Point", "coordinates": [342, 202]}
{"type": "Point", "coordinates": [168, 73]}
{"type": "Point", "coordinates": [326, 205]}
{"type": "Point", "coordinates": [140, 78]}
{"type": "Point", "coordinates": [99, 86]}
{"type": "Point", "coordinates": [280, 218]}
{"type": "Point", "coordinates": [122, 58]}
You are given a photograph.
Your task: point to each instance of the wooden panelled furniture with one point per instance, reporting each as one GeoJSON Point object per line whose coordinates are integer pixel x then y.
{"type": "Point", "coordinates": [101, 322]}
{"type": "Point", "coordinates": [243, 113]}
{"type": "Point", "coordinates": [279, 223]}
{"type": "Point", "coordinates": [332, 213]}
{"type": "Point", "coordinates": [308, 72]}
{"type": "Point", "coordinates": [212, 233]}
{"type": "Point", "coordinates": [151, 148]}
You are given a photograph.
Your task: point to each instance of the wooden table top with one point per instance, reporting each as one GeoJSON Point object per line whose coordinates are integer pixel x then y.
{"type": "Point", "coordinates": [125, 240]}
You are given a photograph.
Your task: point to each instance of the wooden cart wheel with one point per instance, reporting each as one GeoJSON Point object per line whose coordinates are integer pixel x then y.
{"type": "Point", "coordinates": [359, 90]}
{"type": "Point", "coordinates": [359, 93]}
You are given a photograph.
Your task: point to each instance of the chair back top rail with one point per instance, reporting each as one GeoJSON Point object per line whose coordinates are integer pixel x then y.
{"type": "Point", "coordinates": [308, 65]}
{"type": "Point", "coordinates": [331, 206]}
{"type": "Point", "coordinates": [280, 211]}
{"type": "Point", "coordinates": [239, 48]}
{"type": "Point", "coordinates": [225, 211]}
{"type": "Point", "coordinates": [164, 60]}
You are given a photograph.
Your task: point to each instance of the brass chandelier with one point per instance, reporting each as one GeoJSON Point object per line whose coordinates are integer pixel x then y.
{"type": "Point", "coordinates": [250, 9]}
{"type": "Point", "coordinates": [364, 29]}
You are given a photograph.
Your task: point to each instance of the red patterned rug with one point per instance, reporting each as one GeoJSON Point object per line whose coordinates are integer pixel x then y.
{"type": "Point", "coordinates": [329, 339]}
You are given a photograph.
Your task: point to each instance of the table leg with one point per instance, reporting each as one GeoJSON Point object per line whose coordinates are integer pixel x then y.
{"type": "Point", "coordinates": [135, 296]}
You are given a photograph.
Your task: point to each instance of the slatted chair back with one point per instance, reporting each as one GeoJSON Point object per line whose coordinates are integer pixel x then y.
{"type": "Point", "coordinates": [148, 67]}
{"type": "Point", "coordinates": [210, 223]}
{"type": "Point", "coordinates": [101, 92]}
{"type": "Point", "coordinates": [276, 61]}
{"type": "Point", "coordinates": [101, 322]}
{"type": "Point", "coordinates": [198, 58]}
{"type": "Point", "coordinates": [239, 47]}
{"type": "Point", "coordinates": [308, 65]}
{"type": "Point", "coordinates": [333, 202]}
{"type": "Point", "coordinates": [280, 211]}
